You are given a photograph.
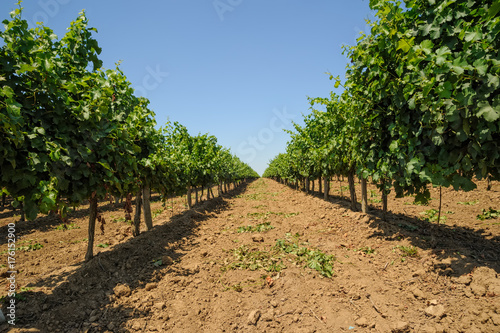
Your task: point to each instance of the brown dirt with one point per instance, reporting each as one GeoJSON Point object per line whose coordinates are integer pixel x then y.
{"type": "Point", "coordinates": [451, 285]}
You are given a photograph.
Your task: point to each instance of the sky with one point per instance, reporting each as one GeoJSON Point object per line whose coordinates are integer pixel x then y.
{"type": "Point", "coordinates": [240, 70]}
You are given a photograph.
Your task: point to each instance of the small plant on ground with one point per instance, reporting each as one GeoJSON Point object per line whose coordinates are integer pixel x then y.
{"type": "Point", "coordinates": [366, 249]}
{"type": "Point", "coordinates": [409, 227]}
{"type": "Point", "coordinates": [313, 258]}
{"type": "Point", "coordinates": [32, 246]}
{"type": "Point", "coordinates": [260, 206]}
{"type": "Point", "coordinates": [103, 245]}
{"type": "Point", "coordinates": [431, 215]}
{"type": "Point", "coordinates": [262, 215]}
{"type": "Point", "coordinates": [374, 197]}
{"type": "Point", "coordinates": [266, 226]}
{"type": "Point", "coordinates": [66, 226]}
{"type": "Point", "coordinates": [468, 203]}
{"type": "Point", "coordinates": [416, 202]}
{"type": "Point", "coordinates": [488, 214]}
{"type": "Point", "coordinates": [258, 215]}
{"type": "Point", "coordinates": [157, 212]}
{"type": "Point", "coordinates": [408, 251]}
{"type": "Point", "coordinates": [79, 241]}
{"type": "Point", "coordinates": [254, 259]}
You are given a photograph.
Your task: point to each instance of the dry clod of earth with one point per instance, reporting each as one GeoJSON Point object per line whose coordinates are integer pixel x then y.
{"type": "Point", "coordinates": [151, 286]}
{"type": "Point", "coordinates": [401, 327]}
{"type": "Point", "coordinates": [253, 317]}
{"type": "Point", "coordinates": [166, 260]}
{"type": "Point", "coordinates": [258, 238]}
{"type": "Point", "coordinates": [437, 311]}
{"type": "Point", "coordinates": [122, 290]}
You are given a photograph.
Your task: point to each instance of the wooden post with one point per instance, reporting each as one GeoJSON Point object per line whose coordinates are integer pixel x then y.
{"type": "Point", "coordinates": [146, 201]}
{"type": "Point", "coordinates": [327, 187]}
{"type": "Point", "coordinates": [440, 201]}
{"type": "Point", "coordinates": [137, 217]}
{"type": "Point", "coordinates": [23, 216]}
{"type": "Point", "coordinates": [92, 217]}
{"type": "Point", "coordinates": [189, 199]}
{"type": "Point", "coordinates": [384, 200]}
{"type": "Point", "coordinates": [352, 191]}
{"type": "Point", "coordinates": [364, 196]}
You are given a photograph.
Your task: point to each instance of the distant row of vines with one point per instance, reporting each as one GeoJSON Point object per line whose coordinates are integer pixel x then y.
{"type": "Point", "coordinates": [72, 131]}
{"type": "Point", "coordinates": [420, 104]}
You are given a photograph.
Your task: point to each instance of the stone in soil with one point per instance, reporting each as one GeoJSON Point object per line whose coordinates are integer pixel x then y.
{"type": "Point", "coordinates": [258, 238]}
{"type": "Point", "coordinates": [166, 260]}
{"type": "Point", "coordinates": [400, 327]}
{"type": "Point", "coordinates": [151, 286]}
{"type": "Point", "coordinates": [362, 322]}
{"type": "Point", "coordinates": [253, 317]}
{"type": "Point", "coordinates": [122, 290]}
{"type": "Point", "coordinates": [437, 311]}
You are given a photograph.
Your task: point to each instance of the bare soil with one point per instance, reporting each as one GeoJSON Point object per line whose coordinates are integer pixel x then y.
{"type": "Point", "coordinates": [196, 271]}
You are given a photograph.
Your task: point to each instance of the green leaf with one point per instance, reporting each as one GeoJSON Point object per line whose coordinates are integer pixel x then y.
{"type": "Point", "coordinates": [494, 9]}
{"type": "Point", "coordinates": [441, 54]}
{"type": "Point", "coordinates": [459, 65]}
{"type": "Point", "coordinates": [472, 36]}
{"type": "Point", "coordinates": [393, 146]}
{"type": "Point", "coordinates": [493, 81]}
{"type": "Point", "coordinates": [414, 164]}
{"type": "Point", "coordinates": [446, 90]}
{"type": "Point", "coordinates": [105, 165]}
{"type": "Point", "coordinates": [481, 66]}
{"type": "Point", "coordinates": [411, 103]}
{"type": "Point", "coordinates": [406, 44]}
{"type": "Point", "coordinates": [25, 68]}
{"type": "Point", "coordinates": [438, 140]}
{"type": "Point", "coordinates": [427, 46]}
{"type": "Point", "coordinates": [488, 112]}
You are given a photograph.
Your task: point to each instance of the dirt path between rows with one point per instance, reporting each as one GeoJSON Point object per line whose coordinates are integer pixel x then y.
{"type": "Point", "coordinates": [260, 260]}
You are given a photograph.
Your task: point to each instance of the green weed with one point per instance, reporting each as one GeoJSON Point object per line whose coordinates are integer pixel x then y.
{"type": "Point", "coordinates": [157, 212]}
{"type": "Point", "coordinates": [409, 227]}
{"type": "Point", "coordinates": [408, 251]}
{"type": "Point", "coordinates": [266, 226]}
{"type": "Point", "coordinates": [468, 203]}
{"type": "Point", "coordinates": [488, 214]}
{"type": "Point", "coordinates": [431, 215]}
{"type": "Point", "coordinates": [30, 246]}
{"type": "Point", "coordinates": [66, 226]}
{"type": "Point", "coordinates": [254, 259]}
{"type": "Point", "coordinates": [312, 258]}
{"type": "Point", "coordinates": [366, 249]}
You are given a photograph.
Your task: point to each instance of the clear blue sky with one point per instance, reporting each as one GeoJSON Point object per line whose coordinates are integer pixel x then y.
{"type": "Point", "coordinates": [238, 69]}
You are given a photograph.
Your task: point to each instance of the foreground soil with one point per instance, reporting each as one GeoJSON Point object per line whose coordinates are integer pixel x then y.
{"type": "Point", "coordinates": [257, 260]}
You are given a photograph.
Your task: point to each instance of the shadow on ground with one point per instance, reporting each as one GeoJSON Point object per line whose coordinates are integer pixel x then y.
{"type": "Point", "coordinates": [83, 291]}
{"type": "Point", "coordinates": [459, 249]}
